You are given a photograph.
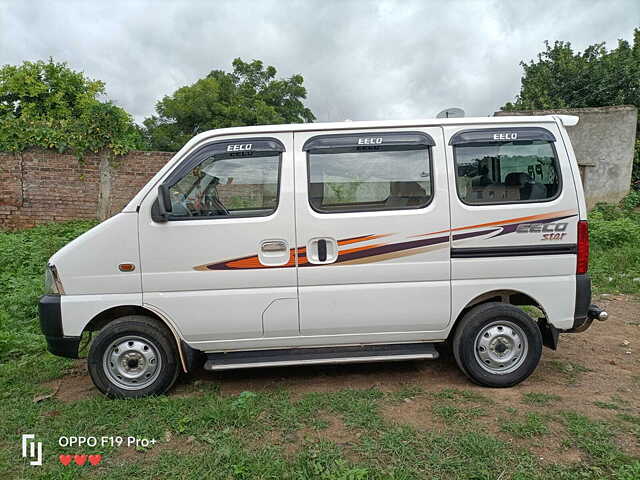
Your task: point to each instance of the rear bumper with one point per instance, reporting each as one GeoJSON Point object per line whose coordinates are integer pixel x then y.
{"type": "Point", "coordinates": [581, 320]}
{"type": "Point", "coordinates": [51, 325]}
{"type": "Point", "coordinates": [585, 312]}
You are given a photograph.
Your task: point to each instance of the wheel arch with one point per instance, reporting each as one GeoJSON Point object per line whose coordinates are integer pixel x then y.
{"type": "Point", "coordinates": [504, 295]}
{"type": "Point", "coordinates": [99, 321]}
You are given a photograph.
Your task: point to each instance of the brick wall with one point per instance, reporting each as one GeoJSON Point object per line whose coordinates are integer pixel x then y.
{"type": "Point", "coordinates": [41, 186]}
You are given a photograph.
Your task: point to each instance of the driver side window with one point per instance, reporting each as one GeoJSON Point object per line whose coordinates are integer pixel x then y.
{"type": "Point", "coordinates": [228, 185]}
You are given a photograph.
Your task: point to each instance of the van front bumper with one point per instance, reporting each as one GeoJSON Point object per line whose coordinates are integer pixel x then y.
{"type": "Point", "coordinates": [51, 325]}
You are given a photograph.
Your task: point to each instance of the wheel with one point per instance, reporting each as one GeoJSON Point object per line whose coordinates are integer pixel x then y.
{"type": "Point", "coordinates": [497, 345]}
{"type": "Point", "coordinates": [132, 357]}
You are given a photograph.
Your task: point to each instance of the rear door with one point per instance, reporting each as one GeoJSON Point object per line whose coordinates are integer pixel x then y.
{"type": "Point", "coordinates": [514, 212]}
{"type": "Point", "coordinates": [372, 221]}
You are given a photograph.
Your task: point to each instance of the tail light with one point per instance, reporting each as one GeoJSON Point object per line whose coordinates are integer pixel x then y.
{"type": "Point", "coordinates": [583, 247]}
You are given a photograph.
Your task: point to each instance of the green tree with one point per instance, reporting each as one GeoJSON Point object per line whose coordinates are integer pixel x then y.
{"type": "Point", "coordinates": [562, 78]}
{"type": "Point", "coordinates": [49, 105]}
{"type": "Point", "coordinates": [250, 95]}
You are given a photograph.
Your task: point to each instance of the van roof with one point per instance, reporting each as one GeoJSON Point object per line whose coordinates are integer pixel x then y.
{"type": "Point", "coordinates": [348, 125]}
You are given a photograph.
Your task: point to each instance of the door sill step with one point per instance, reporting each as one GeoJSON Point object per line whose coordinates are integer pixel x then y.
{"type": "Point", "coordinates": [320, 356]}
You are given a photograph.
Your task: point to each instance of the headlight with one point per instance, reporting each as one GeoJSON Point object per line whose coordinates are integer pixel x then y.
{"type": "Point", "coordinates": [52, 283]}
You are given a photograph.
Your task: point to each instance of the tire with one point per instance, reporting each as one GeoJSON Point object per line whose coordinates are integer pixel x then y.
{"type": "Point", "coordinates": [132, 357]}
{"type": "Point", "coordinates": [497, 345]}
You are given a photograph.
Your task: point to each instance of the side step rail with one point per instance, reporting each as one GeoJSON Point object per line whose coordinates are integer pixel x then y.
{"type": "Point", "coordinates": [320, 355]}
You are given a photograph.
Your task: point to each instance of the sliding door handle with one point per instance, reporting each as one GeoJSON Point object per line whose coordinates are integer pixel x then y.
{"type": "Point", "coordinates": [322, 250]}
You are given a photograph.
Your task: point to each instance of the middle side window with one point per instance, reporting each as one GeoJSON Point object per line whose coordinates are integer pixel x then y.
{"type": "Point", "coordinates": [369, 172]}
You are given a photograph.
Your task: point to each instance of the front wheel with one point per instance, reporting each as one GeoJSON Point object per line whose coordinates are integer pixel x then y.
{"type": "Point", "coordinates": [497, 345]}
{"type": "Point", "coordinates": [133, 357]}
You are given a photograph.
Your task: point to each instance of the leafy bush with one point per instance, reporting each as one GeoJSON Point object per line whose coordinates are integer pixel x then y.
{"type": "Point", "coordinates": [614, 233]}
{"type": "Point", "coordinates": [615, 246]}
{"type": "Point", "coordinates": [631, 201]}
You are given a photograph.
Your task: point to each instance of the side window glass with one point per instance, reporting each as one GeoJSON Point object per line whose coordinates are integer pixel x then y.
{"type": "Point", "coordinates": [361, 180]}
{"type": "Point", "coordinates": [228, 186]}
{"type": "Point", "coordinates": [506, 172]}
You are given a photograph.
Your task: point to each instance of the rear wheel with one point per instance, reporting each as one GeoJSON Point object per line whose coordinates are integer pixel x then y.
{"type": "Point", "coordinates": [134, 356]}
{"type": "Point", "coordinates": [497, 345]}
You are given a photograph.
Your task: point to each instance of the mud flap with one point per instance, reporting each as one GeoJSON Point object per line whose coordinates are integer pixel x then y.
{"type": "Point", "coordinates": [194, 359]}
{"type": "Point", "coordinates": [549, 334]}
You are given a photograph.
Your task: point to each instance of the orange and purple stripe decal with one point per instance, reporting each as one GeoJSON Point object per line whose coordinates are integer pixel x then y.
{"type": "Point", "coordinates": [384, 251]}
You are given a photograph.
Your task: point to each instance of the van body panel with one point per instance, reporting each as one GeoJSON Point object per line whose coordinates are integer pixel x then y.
{"type": "Point", "coordinates": [207, 273]}
{"type": "Point", "coordinates": [195, 318]}
{"type": "Point", "coordinates": [264, 343]}
{"type": "Point", "coordinates": [556, 294]}
{"type": "Point", "coordinates": [391, 273]}
{"type": "Point", "coordinates": [109, 244]}
{"type": "Point", "coordinates": [79, 310]}
{"type": "Point", "coordinates": [397, 275]}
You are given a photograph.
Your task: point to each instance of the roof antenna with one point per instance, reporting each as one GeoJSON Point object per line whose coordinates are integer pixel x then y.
{"type": "Point", "coordinates": [452, 112]}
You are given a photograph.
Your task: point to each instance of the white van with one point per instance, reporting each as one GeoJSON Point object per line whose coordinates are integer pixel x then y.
{"type": "Point", "coordinates": [334, 243]}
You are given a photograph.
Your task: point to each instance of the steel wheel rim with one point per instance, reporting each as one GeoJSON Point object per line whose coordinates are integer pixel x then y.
{"type": "Point", "coordinates": [501, 347]}
{"type": "Point", "coordinates": [132, 362]}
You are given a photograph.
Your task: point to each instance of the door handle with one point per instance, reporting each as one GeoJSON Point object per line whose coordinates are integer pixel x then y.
{"type": "Point", "coordinates": [322, 250]}
{"type": "Point", "coordinates": [274, 246]}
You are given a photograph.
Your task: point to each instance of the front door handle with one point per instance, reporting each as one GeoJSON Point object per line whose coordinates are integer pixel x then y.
{"type": "Point", "coordinates": [274, 246]}
{"type": "Point", "coordinates": [274, 253]}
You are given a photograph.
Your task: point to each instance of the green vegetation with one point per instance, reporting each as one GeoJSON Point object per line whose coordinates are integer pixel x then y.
{"type": "Point", "coordinates": [571, 370]}
{"type": "Point", "coordinates": [597, 77]}
{"type": "Point", "coordinates": [533, 425]}
{"type": "Point", "coordinates": [23, 256]}
{"type": "Point", "coordinates": [606, 405]}
{"type": "Point", "coordinates": [615, 246]}
{"type": "Point", "coordinates": [48, 105]}
{"type": "Point", "coordinates": [346, 434]}
{"type": "Point", "coordinates": [539, 399]}
{"type": "Point", "coordinates": [250, 95]}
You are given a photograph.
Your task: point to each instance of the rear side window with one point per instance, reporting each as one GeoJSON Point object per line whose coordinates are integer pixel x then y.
{"type": "Point", "coordinates": [506, 171]}
{"type": "Point", "coordinates": [361, 177]}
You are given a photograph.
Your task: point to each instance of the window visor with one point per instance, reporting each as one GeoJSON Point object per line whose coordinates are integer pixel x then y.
{"type": "Point", "coordinates": [366, 142]}
{"type": "Point", "coordinates": [493, 135]}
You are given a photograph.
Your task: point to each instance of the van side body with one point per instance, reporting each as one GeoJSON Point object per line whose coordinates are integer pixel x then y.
{"type": "Point", "coordinates": [284, 238]}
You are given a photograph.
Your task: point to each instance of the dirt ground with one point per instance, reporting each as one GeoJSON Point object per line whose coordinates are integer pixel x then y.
{"type": "Point", "coordinates": [609, 353]}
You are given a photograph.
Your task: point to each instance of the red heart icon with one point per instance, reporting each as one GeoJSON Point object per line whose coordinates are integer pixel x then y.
{"type": "Point", "coordinates": [80, 459]}
{"type": "Point", "coordinates": [95, 459]}
{"type": "Point", "coordinates": [65, 459]}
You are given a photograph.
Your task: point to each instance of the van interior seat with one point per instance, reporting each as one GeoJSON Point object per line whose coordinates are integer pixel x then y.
{"type": "Point", "coordinates": [529, 188]}
{"type": "Point", "coordinates": [405, 194]}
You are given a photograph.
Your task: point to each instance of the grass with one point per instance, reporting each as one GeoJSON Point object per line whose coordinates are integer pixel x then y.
{"type": "Point", "coordinates": [275, 434]}
{"type": "Point", "coordinates": [606, 405]}
{"type": "Point", "coordinates": [571, 370]}
{"type": "Point", "coordinates": [539, 399]}
{"type": "Point", "coordinates": [533, 425]}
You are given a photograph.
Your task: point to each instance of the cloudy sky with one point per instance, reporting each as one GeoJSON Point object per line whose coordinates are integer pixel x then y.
{"type": "Point", "coordinates": [360, 59]}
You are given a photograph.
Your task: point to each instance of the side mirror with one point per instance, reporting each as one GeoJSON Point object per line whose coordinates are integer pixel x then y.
{"type": "Point", "coordinates": [164, 201]}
